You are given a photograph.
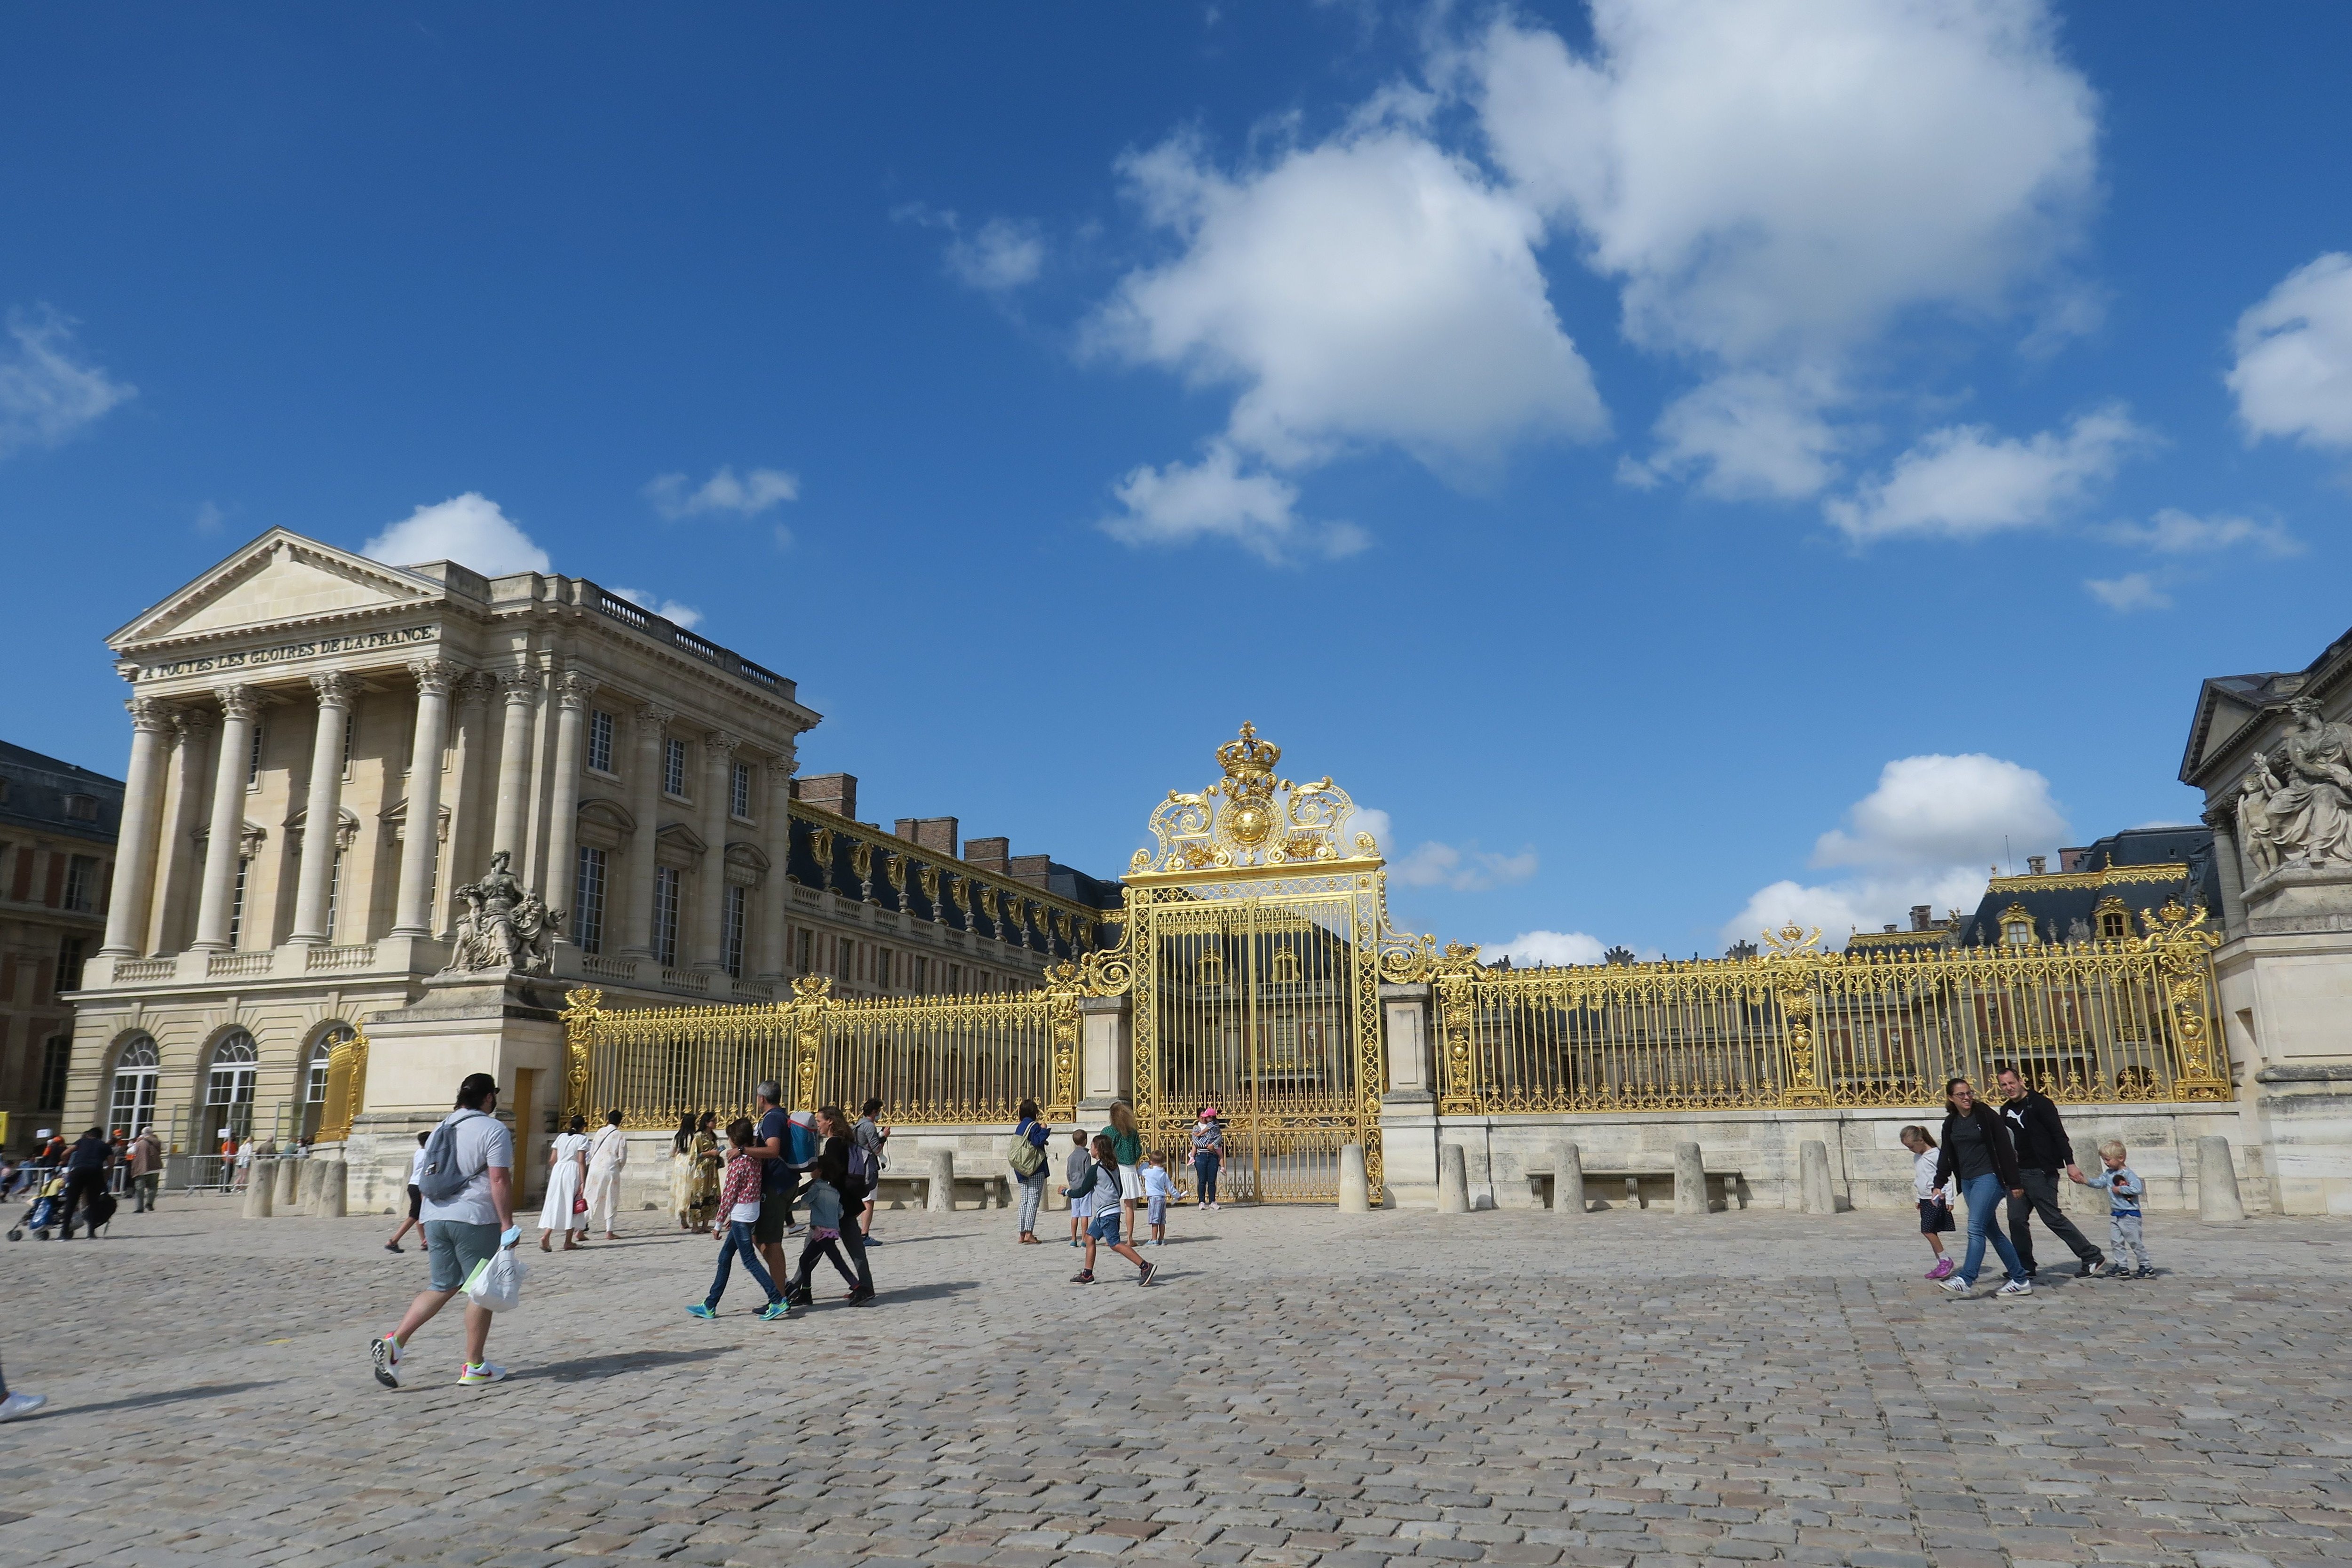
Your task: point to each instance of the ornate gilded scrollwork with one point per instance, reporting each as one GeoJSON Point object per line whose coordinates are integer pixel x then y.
{"type": "Point", "coordinates": [1795, 959]}
{"type": "Point", "coordinates": [2178, 940]}
{"type": "Point", "coordinates": [1454, 973]}
{"type": "Point", "coordinates": [812, 997]}
{"type": "Point", "coordinates": [1250, 818]}
{"type": "Point", "coordinates": [583, 1010]}
{"type": "Point", "coordinates": [861, 866]}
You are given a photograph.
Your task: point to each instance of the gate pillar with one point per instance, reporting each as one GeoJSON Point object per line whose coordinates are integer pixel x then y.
{"type": "Point", "coordinates": [1106, 1053]}
{"type": "Point", "coordinates": [1409, 1104]}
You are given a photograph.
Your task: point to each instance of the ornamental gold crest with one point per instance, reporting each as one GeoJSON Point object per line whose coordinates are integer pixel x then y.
{"type": "Point", "coordinates": [1251, 817]}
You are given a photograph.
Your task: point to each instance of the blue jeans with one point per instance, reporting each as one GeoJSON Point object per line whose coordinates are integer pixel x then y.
{"type": "Point", "coordinates": [738, 1240]}
{"type": "Point", "coordinates": [1204, 1176]}
{"type": "Point", "coordinates": [1983, 1195]}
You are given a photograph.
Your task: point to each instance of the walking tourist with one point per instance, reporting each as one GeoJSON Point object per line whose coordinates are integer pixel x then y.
{"type": "Point", "coordinates": [802, 1127]}
{"type": "Point", "coordinates": [608, 1155]}
{"type": "Point", "coordinates": [146, 1170]}
{"type": "Point", "coordinates": [1157, 1191]}
{"type": "Point", "coordinates": [1101, 1181]}
{"type": "Point", "coordinates": [469, 1187]}
{"type": "Point", "coordinates": [1208, 1156]}
{"type": "Point", "coordinates": [1027, 1157]}
{"type": "Point", "coordinates": [416, 1198]}
{"type": "Point", "coordinates": [1126, 1150]}
{"type": "Point", "coordinates": [681, 1170]}
{"type": "Point", "coordinates": [772, 1146]}
{"type": "Point", "coordinates": [15, 1405]}
{"type": "Point", "coordinates": [699, 1200]}
{"type": "Point", "coordinates": [565, 1208]}
{"type": "Point", "coordinates": [2124, 1191]}
{"type": "Point", "coordinates": [871, 1135]}
{"type": "Point", "coordinates": [1934, 1194]}
{"type": "Point", "coordinates": [2043, 1151]}
{"type": "Point", "coordinates": [1977, 1153]}
{"type": "Point", "coordinates": [87, 1164]}
{"type": "Point", "coordinates": [833, 1215]}
{"type": "Point", "coordinates": [1073, 1171]}
{"type": "Point", "coordinates": [740, 1201]}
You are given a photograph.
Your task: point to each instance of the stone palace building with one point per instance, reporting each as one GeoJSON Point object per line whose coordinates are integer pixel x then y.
{"type": "Point", "coordinates": [640, 779]}
{"type": "Point", "coordinates": [56, 857]}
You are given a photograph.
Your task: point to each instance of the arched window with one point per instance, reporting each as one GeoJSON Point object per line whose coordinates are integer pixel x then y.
{"type": "Point", "coordinates": [131, 1105]}
{"type": "Point", "coordinates": [228, 1088]}
{"type": "Point", "coordinates": [1286, 966]}
{"type": "Point", "coordinates": [2115, 919]}
{"type": "Point", "coordinates": [1210, 970]}
{"type": "Point", "coordinates": [314, 1075]}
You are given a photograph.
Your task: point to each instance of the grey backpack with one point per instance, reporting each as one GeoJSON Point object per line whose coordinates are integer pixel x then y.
{"type": "Point", "coordinates": [441, 1180]}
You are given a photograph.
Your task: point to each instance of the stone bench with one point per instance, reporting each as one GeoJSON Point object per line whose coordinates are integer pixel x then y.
{"type": "Point", "coordinates": [913, 1190]}
{"type": "Point", "coordinates": [1640, 1186]}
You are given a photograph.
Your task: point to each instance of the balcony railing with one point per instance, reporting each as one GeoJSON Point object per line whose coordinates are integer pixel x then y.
{"type": "Point", "coordinates": [639, 619]}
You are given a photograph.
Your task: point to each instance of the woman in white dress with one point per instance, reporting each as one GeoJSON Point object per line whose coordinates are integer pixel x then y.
{"type": "Point", "coordinates": [567, 1173]}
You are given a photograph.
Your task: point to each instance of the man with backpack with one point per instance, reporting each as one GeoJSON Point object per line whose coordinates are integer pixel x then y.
{"type": "Point", "coordinates": [467, 1183]}
{"type": "Point", "coordinates": [1026, 1155]}
{"type": "Point", "coordinates": [780, 1177]}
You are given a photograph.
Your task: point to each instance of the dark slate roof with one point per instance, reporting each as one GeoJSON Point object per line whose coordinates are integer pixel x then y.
{"type": "Point", "coordinates": [2056, 901]}
{"type": "Point", "coordinates": [37, 787]}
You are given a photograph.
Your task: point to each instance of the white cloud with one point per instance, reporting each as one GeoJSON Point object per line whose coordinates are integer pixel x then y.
{"type": "Point", "coordinates": [2293, 373]}
{"type": "Point", "coordinates": [1776, 183]}
{"type": "Point", "coordinates": [750, 495]}
{"type": "Point", "coordinates": [1963, 481]}
{"type": "Point", "coordinates": [469, 529]}
{"type": "Point", "coordinates": [1214, 498]}
{"type": "Point", "coordinates": [1746, 434]}
{"type": "Point", "coordinates": [48, 392]}
{"type": "Point", "coordinates": [1004, 254]}
{"type": "Point", "coordinates": [1464, 869]}
{"type": "Point", "coordinates": [668, 609]}
{"type": "Point", "coordinates": [1369, 820]}
{"type": "Point", "coordinates": [1923, 836]}
{"type": "Point", "coordinates": [1555, 947]}
{"type": "Point", "coordinates": [2132, 591]}
{"type": "Point", "coordinates": [2172, 532]}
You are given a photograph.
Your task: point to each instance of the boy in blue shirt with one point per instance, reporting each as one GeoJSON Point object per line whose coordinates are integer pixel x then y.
{"type": "Point", "coordinates": [2124, 1191]}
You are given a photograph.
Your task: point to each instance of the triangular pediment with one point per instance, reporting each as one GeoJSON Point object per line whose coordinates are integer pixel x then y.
{"type": "Point", "coordinates": [279, 577]}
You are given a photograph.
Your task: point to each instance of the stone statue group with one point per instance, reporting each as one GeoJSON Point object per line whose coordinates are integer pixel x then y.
{"type": "Point", "coordinates": [505, 926]}
{"type": "Point", "coordinates": [2295, 807]}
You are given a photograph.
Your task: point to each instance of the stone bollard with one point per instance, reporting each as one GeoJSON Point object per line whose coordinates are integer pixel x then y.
{"type": "Point", "coordinates": [2217, 1183]}
{"type": "Point", "coordinates": [1567, 1179]}
{"type": "Point", "coordinates": [941, 1199]}
{"type": "Point", "coordinates": [308, 1189]}
{"type": "Point", "coordinates": [287, 1197]}
{"type": "Point", "coordinates": [1690, 1180]}
{"type": "Point", "coordinates": [1355, 1187]}
{"type": "Point", "coordinates": [261, 1182]}
{"type": "Point", "coordinates": [334, 1188]}
{"type": "Point", "coordinates": [1453, 1180]}
{"type": "Point", "coordinates": [1813, 1177]}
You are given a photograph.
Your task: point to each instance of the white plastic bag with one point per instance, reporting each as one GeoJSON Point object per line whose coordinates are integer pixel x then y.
{"type": "Point", "coordinates": [497, 1281]}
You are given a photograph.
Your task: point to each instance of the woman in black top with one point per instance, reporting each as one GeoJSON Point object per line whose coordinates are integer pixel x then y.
{"type": "Point", "coordinates": [1977, 1150]}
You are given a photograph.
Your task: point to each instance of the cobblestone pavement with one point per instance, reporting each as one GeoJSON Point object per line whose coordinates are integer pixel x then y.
{"type": "Point", "coordinates": [1635, 1391]}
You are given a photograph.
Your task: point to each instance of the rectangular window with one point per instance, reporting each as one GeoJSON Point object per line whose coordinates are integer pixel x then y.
{"type": "Point", "coordinates": [236, 904]}
{"type": "Point", "coordinates": [807, 940]}
{"type": "Point", "coordinates": [588, 901]}
{"type": "Point", "coordinates": [845, 963]}
{"type": "Point", "coordinates": [919, 975]}
{"type": "Point", "coordinates": [739, 800]}
{"type": "Point", "coordinates": [253, 763]}
{"type": "Point", "coordinates": [334, 893]}
{"type": "Point", "coordinates": [351, 729]}
{"type": "Point", "coordinates": [674, 768]}
{"type": "Point", "coordinates": [730, 932]}
{"type": "Point", "coordinates": [81, 881]}
{"type": "Point", "coordinates": [882, 967]}
{"type": "Point", "coordinates": [600, 741]}
{"type": "Point", "coordinates": [665, 915]}
{"type": "Point", "coordinates": [56, 1056]}
{"type": "Point", "coordinates": [955, 978]}
{"type": "Point", "coordinates": [81, 807]}
{"type": "Point", "coordinates": [70, 962]}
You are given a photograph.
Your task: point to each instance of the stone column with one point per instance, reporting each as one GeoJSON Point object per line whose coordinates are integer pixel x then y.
{"type": "Point", "coordinates": [2231, 870]}
{"type": "Point", "coordinates": [711, 895]}
{"type": "Point", "coordinates": [174, 860]}
{"type": "Point", "coordinates": [142, 816]}
{"type": "Point", "coordinates": [469, 756]}
{"type": "Point", "coordinates": [644, 805]}
{"type": "Point", "coordinates": [239, 707]}
{"type": "Point", "coordinates": [559, 880]}
{"type": "Point", "coordinates": [775, 909]}
{"type": "Point", "coordinates": [521, 688]}
{"type": "Point", "coordinates": [420, 845]}
{"type": "Point", "coordinates": [322, 814]}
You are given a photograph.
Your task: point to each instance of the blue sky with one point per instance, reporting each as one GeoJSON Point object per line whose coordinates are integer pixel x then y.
{"type": "Point", "coordinates": [1684, 464]}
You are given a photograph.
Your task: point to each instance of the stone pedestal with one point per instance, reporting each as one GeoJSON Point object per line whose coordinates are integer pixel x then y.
{"type": "Point", "coordinates": [2285, 992]}
{"type": "Point", "coordinates": [1355, 1189]}
{"type": "Point", "coordinates": [1105, 1057]}
{"type": "Point", "coordinates": [1453, 1181]}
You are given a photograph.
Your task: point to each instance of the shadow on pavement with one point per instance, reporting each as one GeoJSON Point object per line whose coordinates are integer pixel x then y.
{"type": "Point", "coordinates": [162, 1396]}
{"type": "Point", "coordinates": [592, 1366]}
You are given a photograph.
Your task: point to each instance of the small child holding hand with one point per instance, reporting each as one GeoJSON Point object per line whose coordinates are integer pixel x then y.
{"type": "Point", "coordinates": [1935, 1203]}
{"type": "Point", "coordinates": [1157, 1191]}
{"type": "Point", "coordinates": [2124, 1190]}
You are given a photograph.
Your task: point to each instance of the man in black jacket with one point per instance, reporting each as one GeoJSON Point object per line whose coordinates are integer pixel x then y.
{"type": "Point", "coordinates": [86, 1164]}
{"type": "Point", "coordinates": [2043, 1152]}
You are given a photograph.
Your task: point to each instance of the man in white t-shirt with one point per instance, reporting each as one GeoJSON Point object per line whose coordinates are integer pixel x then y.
{"type": "Point", "coordinates": [415, 1220]}
{"type": "Point", "coordinates": [463, 1231]}
{"type": "Point", "coordinates": [608, 1153]}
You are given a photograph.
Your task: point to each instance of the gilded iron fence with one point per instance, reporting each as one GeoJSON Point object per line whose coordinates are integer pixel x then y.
{"type": "Point", "coordinates": [2102, 1021]}
{"type": "Point", "coordinates": [934, 1060]}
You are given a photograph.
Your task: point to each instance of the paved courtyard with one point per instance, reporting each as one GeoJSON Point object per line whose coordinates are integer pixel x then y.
{"type": "Point", "coordinates": [1303, 1388]}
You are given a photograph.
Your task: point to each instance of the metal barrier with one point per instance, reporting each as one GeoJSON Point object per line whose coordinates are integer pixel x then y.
{"type": "Point", "coordinates": [2128, 1020]}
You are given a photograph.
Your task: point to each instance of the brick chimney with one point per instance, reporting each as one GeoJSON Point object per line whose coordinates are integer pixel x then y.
{"type": "Point", "coordinates": [2037, 865]}
{"type": "Point", "coordinates": [1036, 870]}
{"type": "Point", "coordinates": [988, 854]}
{"type": "Point", "coordinates": [936, 834]}
{"type": "Point", "coordinates": [1920, 916]}
{"type": "Point", "coordinates": [835, 792]}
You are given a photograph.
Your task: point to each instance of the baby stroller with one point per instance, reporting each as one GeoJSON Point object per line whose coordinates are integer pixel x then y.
{"type": "Point", "coordinates": [48, 1198]}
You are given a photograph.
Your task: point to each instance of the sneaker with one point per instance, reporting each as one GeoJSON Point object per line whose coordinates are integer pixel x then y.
{"type": "Point", "coordinates": [1944, 1266]}
{"type": "Point", "coordinates": [859, 1298]}
{"type": "Point", "coordinates": [795, 1230]}
{"type": "Point", "coordinates": [478, 1373]}
{"type": "Point", "coordinates": [778, 1308]}
{"type": "Point", "coordinates": [1083, 1277]}
{"type": "Point", "coordinates": [699, 1311]}
{"type": "Point", "coordinates": [391, 1246]}
{"type": "Point", "coordinates": [1955, 1284]}
{"type": "Point", "coordinates": [2015, 1288]}
{"type": "Point", "coordinates": [2093, 1268]}
{"type": "Point", "coordinates": [2144, 1272]}
{"type": "Point", "coordinates": [18, 1404]}
{"type": "Point", "coordinates": [387, 1352]}
{"type": "Point", "coordinates": [1149, 1271]}
{"type": "Point", "coordinates": [1074, 1241]}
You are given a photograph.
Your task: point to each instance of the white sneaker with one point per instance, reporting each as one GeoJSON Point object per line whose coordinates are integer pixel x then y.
{"type": "Point", "coordinates": [1955, 1284]}
{"type": "Point", "coordinates": [475, 1377]}
{"type": "Point", "coordinates": [386, 1351]}
{"type": "Point", "coordinates": [2015, 1288]}
{"type": "Point", "coordinates": [18, 1404]}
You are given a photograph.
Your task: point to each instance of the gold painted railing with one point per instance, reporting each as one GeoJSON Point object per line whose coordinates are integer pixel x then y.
{"type": "Point", "coordinates": [2104, 1021]}
{"type": "Point", "coordinates": [933, 1061]}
